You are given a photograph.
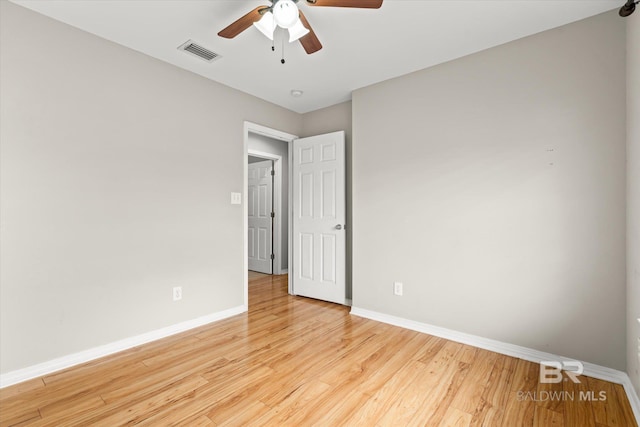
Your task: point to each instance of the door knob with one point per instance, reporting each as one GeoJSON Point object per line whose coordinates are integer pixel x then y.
{"type": "Point", "coordinates": [338, 227]}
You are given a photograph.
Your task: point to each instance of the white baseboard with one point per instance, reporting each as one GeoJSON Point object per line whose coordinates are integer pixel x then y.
{"type": "Point", "coordinates": [70, 360]}
{"type": "Point", "coordinates": [536, 356]}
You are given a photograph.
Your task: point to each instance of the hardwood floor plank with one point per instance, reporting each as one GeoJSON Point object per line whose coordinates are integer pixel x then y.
{"type": "Point", "coordinates": [544, 417]}
{"type": "Point", "coordinates": [21, 388]}
{"type": "Point", "coordinates": [17, 416]}
{"type": "Point", "coordinates": [494, 400]}
{"type": "Point", "coordinates": [294, 409]}
{"type": "Point", "coordinates": [437, 405]}
{"type": "Point", "coordinates": [297, 361]}
{"type": "Point", "coordinates": [473, 387]}
{"type": "Point", "coordinates": [179, 353]}
{"type": "Point", "coordinates": [158, 379]}
{"type": "Point", "coordinates": [204, 400]}
{"type": "Point", "coordinates": [230, 406]}
{"type": "Point", "coordinates": [455, 418]}
{"type": "Point", "coordinates": [360, 366]}
{"type": "Point", "coordinates": [251, 410]}
{"type": "Point", "coordinates": [490, 409]}
{"type": "Point", "coordinates": [519, 412]}
{"type": "Point", "coordinates": [550, 396]}
{"type": "Point", "coordinates": [195, 421]}
{"type": "Point", "coordinates": [375, 407]}
{"type": "Point", "coordinates": [363, 361]}
{"type": "Point", "coordinates": [69, 408]}
{"type": "Point", "coordinates": [308, 362]}
{"type": "Point", "coordinates": [605, 410]}
{"type": "Point", "coordinates": [427, 389]}
{"type": "Point", "coordinates": [79, 387]}
{"type": "Point", "coordinates": [525, 376]}
{"type": "Point", "coordinates": [577, 412]}
{"type": "Point", "coordinates": [163, 400]}
{"type": "Point", "coordinates": [394, 361]}
{"type": "Point", "coordinates": [432, 347]}
{"type": "Point", "coordinates": [387, 404]}
{"type": "Point", "coordinates": [336, 412]}
{"type": "Point", "coordinates": [620, 399]}
{"type": "Point", "coordinates": [468, 354]}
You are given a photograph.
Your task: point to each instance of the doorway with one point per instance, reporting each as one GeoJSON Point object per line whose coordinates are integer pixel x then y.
{"type": "Point", "coordinates": [317, 165]}
{"type": "Point", "coordinates": [260, 144]}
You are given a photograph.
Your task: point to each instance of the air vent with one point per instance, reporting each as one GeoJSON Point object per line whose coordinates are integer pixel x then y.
{"type": "Point", "coordinates": [195, 49]}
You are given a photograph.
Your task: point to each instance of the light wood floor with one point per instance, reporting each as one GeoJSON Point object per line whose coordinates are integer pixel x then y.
{"type": "Point", "coordinates": [295, 361]}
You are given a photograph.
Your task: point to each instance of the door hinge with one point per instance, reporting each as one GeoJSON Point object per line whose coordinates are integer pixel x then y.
{"type": "Point", "coordinates": [273, 257]}
{"type": "Point", "coordinates": [273, 214]}
{"type": "Point", "coordinates": [273, 173]}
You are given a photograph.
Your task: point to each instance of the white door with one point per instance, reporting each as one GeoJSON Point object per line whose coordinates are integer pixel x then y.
{"type": "Point", "coordinates": [319, 215]}
{"type": "Point", "coordinates": [259, 206]}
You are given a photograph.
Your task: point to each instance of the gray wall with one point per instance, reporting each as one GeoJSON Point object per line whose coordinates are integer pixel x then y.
{"type": "Point", "coordinates": [281, 148]}
{"type": "Point", "coordinates": [116, 173]}
{"type": "Point", "coordinates": [633, 198]}
{"type": "Point", "coordinates": [332, 119]}
{"type": "Point", "coordinates": [456, 194]}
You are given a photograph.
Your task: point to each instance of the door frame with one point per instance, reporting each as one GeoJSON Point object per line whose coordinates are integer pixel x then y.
{"type": "Point", "coordinates": [277, 198]}
{"type": "Point", "coordinates": [250, 127]}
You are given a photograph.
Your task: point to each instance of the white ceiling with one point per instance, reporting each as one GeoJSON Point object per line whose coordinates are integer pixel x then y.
{"type": "Point", "coordinates": [361, 46]}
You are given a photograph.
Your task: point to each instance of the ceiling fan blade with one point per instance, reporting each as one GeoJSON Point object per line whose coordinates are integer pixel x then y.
{"type": "Point", "coordinates": [364, 4]}
{"type": "Point", "coordinates": [243, 23]}
{"type": "Point", "coordinates": [310, 41]}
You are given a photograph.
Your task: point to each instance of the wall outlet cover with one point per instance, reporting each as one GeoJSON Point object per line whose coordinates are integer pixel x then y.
{"type": "Point", "coordinates": [397, 288]}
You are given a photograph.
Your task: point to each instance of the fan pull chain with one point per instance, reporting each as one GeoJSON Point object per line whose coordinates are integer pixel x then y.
{"type": "Point", "coordinates": [273, 43]}
{"type": "Point", "coordinates": [282, 60]}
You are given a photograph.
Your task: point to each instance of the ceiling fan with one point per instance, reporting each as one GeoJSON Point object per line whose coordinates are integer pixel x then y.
{"type": "Point", "coordinates": [285, 14]}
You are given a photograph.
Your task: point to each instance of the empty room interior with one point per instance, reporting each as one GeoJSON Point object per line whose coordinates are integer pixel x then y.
{"type": "Point", "coordinates": [320, 212]}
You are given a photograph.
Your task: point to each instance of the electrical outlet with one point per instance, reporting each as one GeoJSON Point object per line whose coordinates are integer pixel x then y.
{"type": "Point", "coordinates": [397, 288]}
{"type": "Point", "coordinates": [177, 293]}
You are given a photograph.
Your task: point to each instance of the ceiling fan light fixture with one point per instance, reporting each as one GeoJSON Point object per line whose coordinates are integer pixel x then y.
{"type": "Point", "coordinates": [296, 31]}
{"type": "Point", "coordinates": [285, 13]}
{"type": "Point", "coordinates": [266, 25]}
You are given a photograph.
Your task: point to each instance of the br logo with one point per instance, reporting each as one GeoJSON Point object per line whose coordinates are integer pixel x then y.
{"type": "Point", "coordinates": [551, 372]}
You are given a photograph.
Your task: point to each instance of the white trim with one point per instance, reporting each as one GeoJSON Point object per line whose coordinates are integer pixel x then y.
{"type": "Point", "coordinates": [634, 401]}
{"type": "Point", "coordinates": [277, 201]}
{"type": "Point", "coordinates": [271, 133]}
{"type": "Point", "coordinates": [74, 359]}
{"type": "Point", "coordinates": [536, 356]}
{"type": "Point", "coordinates": [292, 246]}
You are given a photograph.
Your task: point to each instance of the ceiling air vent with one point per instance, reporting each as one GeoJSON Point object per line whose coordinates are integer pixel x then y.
{"type": "Point", "coordinates": [195, 49]}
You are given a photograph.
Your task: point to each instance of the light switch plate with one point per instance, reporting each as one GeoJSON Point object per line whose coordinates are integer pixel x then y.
{"type": "Point", "coordinates": [236, 198]}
